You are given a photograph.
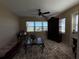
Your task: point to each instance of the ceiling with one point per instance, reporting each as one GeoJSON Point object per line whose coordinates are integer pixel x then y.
{"type": "Point", "coordinates": [29, 7]}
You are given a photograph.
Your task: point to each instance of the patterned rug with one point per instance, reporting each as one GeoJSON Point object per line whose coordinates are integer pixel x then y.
{"type": "Point", "coordinates": [52, 50]}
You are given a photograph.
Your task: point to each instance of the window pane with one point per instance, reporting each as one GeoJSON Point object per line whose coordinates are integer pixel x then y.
{"type": "Point", "coordinates": [45, 28]}
{"type": "Point", "coordinates": [76, 19]}
{"type": "Point", "coordinates": [75, 23]}
{"type": "Point", "coordinates": [30, 23]}
{"type": "Point", "coordinates": [38, 23]}
{"type": "Point", "coordinates": [45, 23]}
{"type": "Point", "coordinates": [38, 28]}
{"type": "Point", "coordinates": [76, 26]}
{"type": "Point", "coordinates": [30, 29]}
{"type": "Point", "coordinates": [62, 25]}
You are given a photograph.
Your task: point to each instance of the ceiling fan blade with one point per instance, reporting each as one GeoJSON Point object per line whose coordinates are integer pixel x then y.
{"type": "Point", "coordinates": [46, 12]}
{"type": "Point", "coordinates": [43, 15]}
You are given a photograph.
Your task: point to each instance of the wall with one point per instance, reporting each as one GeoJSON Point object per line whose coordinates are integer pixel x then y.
{"type": "Point", "coordinates": [68, 14]}
{"type": "Point", "coordinates": [30, 18]}
{"type": "Point", "coordinates": [9, 26]}
{"type": "Point", "coordinates": [67, 37]}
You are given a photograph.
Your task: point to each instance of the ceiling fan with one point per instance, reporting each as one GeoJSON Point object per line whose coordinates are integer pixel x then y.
{"type": "Point", "coordinates": [42, 13]}
{"type": "Point", "coordinates": [39, 12]}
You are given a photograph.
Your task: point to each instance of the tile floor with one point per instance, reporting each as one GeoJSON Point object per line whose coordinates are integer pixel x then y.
{"type": "Point", "coordinates": [52, 50]}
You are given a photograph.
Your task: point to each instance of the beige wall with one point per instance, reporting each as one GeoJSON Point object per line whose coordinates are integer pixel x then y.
{"type": "Point", "coordinates": [68, 14]}
{"type": "Point", "coordinates": [9, 26]}
{"type": "Point", "coordinates": [67, 37]}
{"type": "Point", "coordinates": [29, 18]}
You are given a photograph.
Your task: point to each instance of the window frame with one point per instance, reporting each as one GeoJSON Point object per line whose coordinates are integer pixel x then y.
{"type": "Point", "coordinates": [42, 30]}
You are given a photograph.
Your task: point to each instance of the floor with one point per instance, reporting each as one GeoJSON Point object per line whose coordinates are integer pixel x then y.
{"type": "Point", "coordinates": [52, 50]}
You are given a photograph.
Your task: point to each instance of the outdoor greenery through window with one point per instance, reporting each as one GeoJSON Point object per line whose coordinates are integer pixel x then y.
{"type": "Point", "coordinates": [36, 26]}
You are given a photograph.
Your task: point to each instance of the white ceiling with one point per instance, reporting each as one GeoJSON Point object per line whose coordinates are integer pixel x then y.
{"type": "Point", "coordinates": [29, 7]}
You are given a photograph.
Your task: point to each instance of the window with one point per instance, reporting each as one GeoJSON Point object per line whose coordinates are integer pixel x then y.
{"type": "Point", "coordinates": [75, 23]}
{"type": "Point", "coordinates": [30, 26]}
{"type": "Point", "coordinates": [36, 26]}
{"type": "Point", "coordinates": [45, 26]}
{"type": "Point", "coordinates": [62, 25]}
